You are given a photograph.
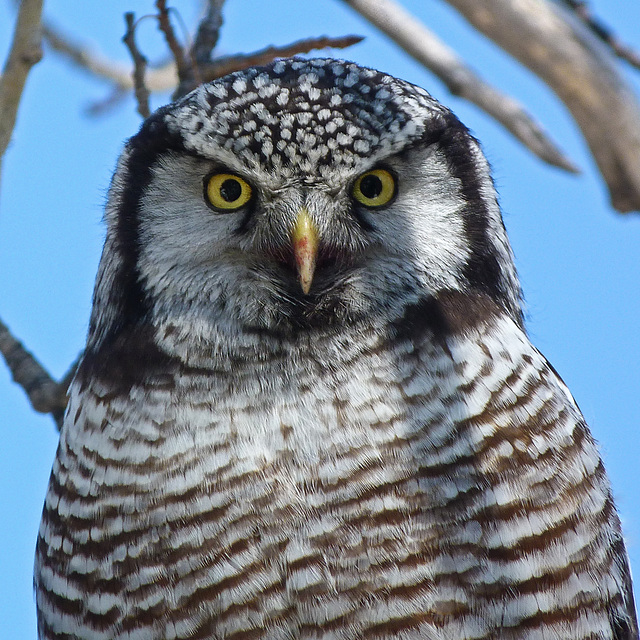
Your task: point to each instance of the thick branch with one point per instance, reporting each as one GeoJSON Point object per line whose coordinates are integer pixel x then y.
{"type": "Point", "coordinates": [208, 33]}
{"type": "Point", "coordinates": [25, 51]}
{"type": "Point", "coordinates": [573, 62]}
{"type": "Point", "coordinates": [623, 51]}
{"type": "Point", "coordinates": [429, 50]}
{"type": "Point", "coordinates": [45, 394]}
{"type": "Point", "coordinates": [201, 51]}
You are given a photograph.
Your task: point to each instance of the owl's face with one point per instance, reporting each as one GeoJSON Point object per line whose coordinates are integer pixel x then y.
{"type": "Point", "coordinates": [302, 194]}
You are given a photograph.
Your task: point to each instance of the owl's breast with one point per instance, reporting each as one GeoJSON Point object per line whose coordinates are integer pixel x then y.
{"type": "Point", "coordinates": [363, 488]}
{"type": "Point", "coordinates": [273, 487]}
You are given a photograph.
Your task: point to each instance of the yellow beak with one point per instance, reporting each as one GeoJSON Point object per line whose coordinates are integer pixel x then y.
{"type": "Point", "coordinates": [304, 238]}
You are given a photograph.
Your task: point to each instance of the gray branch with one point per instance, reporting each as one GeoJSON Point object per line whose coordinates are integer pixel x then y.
{"type": "Point", "coordinates": [208, 32]}
{"type": "Point", "coordinates": [435, 55]}
{"type": "Point", "coordinates": [568, 57]}
{"type": "Point", "coordinates": [165, 78]}
{"type": "Point", "coordinates": [228, 64]}
{"type": "Point", "coordinates": [93, 62]}
{"type": "Point", "coordinates": [599, 29]}
{"type": "Point", "coordinates": [26, 50]}
{"type": "Point", "coordinates": [185, 66]}
{"type": "Point", "coordinates": [45, 394]}
{"type": "Point", "coordinates": [139, 66]}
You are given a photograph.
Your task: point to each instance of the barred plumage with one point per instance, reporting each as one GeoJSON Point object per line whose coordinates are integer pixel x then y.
{"type": "Point", "coordinates": [383, 456]}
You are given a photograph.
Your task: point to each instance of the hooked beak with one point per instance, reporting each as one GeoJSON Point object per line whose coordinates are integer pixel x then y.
{"type": "Point", "coordinates": [304, 239]}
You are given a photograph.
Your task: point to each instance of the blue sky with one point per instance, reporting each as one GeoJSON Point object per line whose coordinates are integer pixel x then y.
{"type": "Point", "coordinates": [578, 260]}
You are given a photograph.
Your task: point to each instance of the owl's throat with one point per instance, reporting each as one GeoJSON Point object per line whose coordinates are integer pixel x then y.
{"type": "Point", "coordinates": [329, 268]}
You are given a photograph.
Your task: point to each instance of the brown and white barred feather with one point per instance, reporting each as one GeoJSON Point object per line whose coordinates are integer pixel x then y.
{"type": "Point", "coordinates": [380, 455]}
{"type": "Point", "coordinates": [424, 486]}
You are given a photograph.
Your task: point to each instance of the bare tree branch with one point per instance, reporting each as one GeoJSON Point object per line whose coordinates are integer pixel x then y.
{"type": "Point", "coordinates": [45, 394]}
{"type": "Point", "coordinates": [86, 59]}
{"type": "Point", "coordinates": [170, 37]}
{"type": "Point", "coordinates": [67, 378]}
{"type": "Point", "coordinates": [436, 56]}
{"type": "Point", "coordinates": [581, 70]}
{"type": "Point", "coordinates": [186, 67]}
{"type": "Point", "coordinates": [623, 51]}
{"type": "Point", "coordinates": [165, 78]}
{"type": "Point", "coordinates": [208, 33]}
{"type": "Point", "coordinates": [200, 53]}
{"type": "Point", "coordinates": [139, 66]}
{"type": "Point", "coordinates": [108, 103]}
{"type": "Point", "coordinates": [157, 79]}
{"type": "Point", "coordinates": [222, 66]}
{"type": "Point", "coordinates": [26, 50]}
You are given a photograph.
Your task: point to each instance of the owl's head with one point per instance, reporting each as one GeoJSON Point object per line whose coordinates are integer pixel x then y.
{"type": "Point", "coordinates": [302, 194]}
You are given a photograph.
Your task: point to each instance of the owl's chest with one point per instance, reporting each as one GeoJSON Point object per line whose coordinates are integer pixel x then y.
{"type": "Point", "coordinates": [295, 432]}
{"type": "Point", "coordinates": [294, 499]}
{"type": "Point", "coordinates": [310, 494]}
{"type": "Point", "coordinates": [299, 429]}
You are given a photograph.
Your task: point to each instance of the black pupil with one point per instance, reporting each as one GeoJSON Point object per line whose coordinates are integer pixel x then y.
{"type": "Point", "coordinates": [371, 186]}
{"type": "Point", "coordinates": [230, 190]}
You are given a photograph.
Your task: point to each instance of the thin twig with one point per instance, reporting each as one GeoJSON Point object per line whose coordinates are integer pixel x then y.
{"type": "Point", "coordinates": [170, 36]}
{"type": "Point", "coordinates": [184, 66]}
{"type": "Point", "coordinates": [436, 56]}
{"type": "Point", "coordinates": [158, 79]}
{"type": "Point", "coordinates": [26, 50]}
{"type": "Point", "coordinates": [139, 66]}
{"type": "Point", "coordinates": [222, 66]}
{"type": "Point", "coordinates": [623, 51]}
{"type": "Point", "coordinates": [164, 78]}
{"type": "Point", "coordinates": [86, 59]}
{"type": "Point", "coordinates": [97, 108]}
{"type": "Point", "coordinates": [45, 394]}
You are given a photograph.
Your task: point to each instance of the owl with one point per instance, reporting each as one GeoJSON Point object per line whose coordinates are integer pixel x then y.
{"type": "Point", "coordinates": [308, 408]}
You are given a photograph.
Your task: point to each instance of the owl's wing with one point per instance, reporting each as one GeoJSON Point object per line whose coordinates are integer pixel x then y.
{"type": "Point", "coordinates": [621, 608]}
{"type": "Point", "coordinates": [550, 532]}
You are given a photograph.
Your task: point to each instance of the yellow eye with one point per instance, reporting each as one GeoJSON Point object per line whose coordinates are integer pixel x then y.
{"type": "Point", "coordinates": [226, 191]}
{"type": "Point", "coordinates": [374, 188]}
